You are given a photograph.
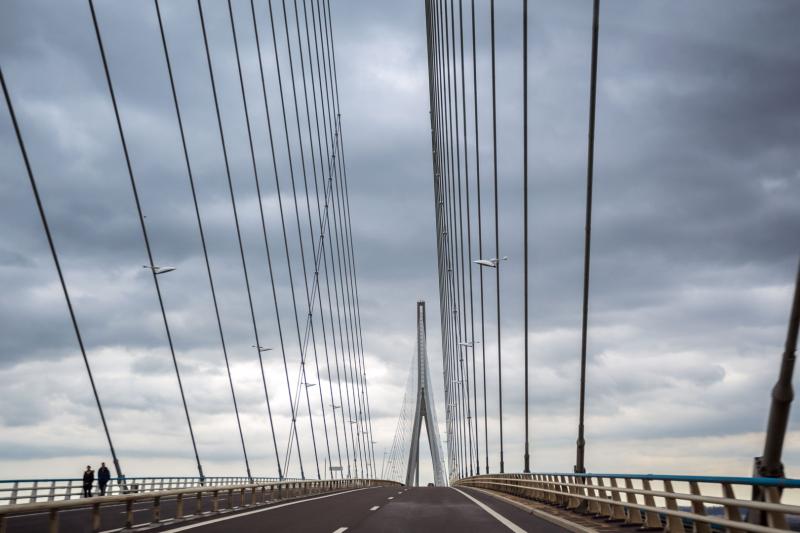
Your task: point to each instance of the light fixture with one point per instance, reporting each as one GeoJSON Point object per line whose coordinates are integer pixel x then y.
{"type": "Point", "coordinates": [491, 263]}
{"type": "Point", "coordinates": [261, 349]}
{"type": "Point", "coordinates": [159, 270]}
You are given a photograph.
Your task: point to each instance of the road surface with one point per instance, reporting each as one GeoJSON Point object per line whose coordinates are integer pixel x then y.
{"type": "Point", "coordinates": [373, 510]}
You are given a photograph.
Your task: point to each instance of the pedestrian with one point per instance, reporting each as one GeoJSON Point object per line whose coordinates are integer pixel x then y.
{"type": "Point", "coordinates": [88, 480]}
{"type": "Point", "coordinates": [103, 475]}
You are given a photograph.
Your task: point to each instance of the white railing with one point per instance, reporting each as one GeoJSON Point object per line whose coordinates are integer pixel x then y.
{"type": "Point", "coordinates": [17, 491]}
{"type": "Point", "coordinates": [672, 503]}
{"type": "Point", "coordinates": [201, 501]}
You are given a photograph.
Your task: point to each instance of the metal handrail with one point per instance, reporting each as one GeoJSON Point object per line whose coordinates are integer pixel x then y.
{"type": "Point", "coordinates": [733, 480]}
{"type": "Point", "coordinates": [589, 493]}
{"type": "Point", "coordinates": [251, 495]}
{"type": "Point", "coordinates": [18, 491]}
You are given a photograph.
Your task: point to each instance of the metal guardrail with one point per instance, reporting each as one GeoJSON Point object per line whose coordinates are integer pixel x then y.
{"type": "Point", "coordinates": [222, 499]}
{"type": "Point", "coordinates": [17, 491]}
{"type": "Point", "coordinates": [652, 501]}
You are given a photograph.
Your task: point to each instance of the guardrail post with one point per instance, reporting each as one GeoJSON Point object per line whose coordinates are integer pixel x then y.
{"type": "Point", "coordinates": [617, 511]}
{"type": "Point", "coordinates": [651, 518]}
{"type": "Point", "coordinates": [572, 501]}
{"type": "Point", "coordinates": [230, 498]}
{"type": "Point", "coordinates": [593, 506]}
{"type": "Point", "coordinates": [69, 490]}
{"type": "Point", "coordinates": [52, 494]}
{"type": "Point", "coordinates": [731, 511]}
{"type": "Point", "coordinates": [215, 500]}
{"type": "Point", "coordinates": [13, 498]}
{"type": "Point", "coordinates": [156, 509]}
{"type": "Point", "coordinates": [564, 491]}
{"type": "Point", "coordinates": [674, 524]}
{"type": "Point", "coordinates": [52, 522]}
{"type": "Point", "coordinates": [634, 515]}
{"type": "Point", "coordinates": [198, 503]}
{"type": "Point", "coordinates": [698, 508]}
{"type": "Point", "coordinates": [129, 513]}
{"type": "Point", "coordinates": [775, 519]}
{"type": "Point", "coordinates": [95, 517]}
{"type": "Point", "coordinates": [179, 506]}
{"type": "Point", "coordinates": [605, 507]}
{"type": "Point", "coordinates": [34, 490]}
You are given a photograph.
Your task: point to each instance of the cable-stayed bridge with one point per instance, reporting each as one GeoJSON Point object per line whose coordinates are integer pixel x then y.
{"type": "Point", "coordinates": [316, 406]}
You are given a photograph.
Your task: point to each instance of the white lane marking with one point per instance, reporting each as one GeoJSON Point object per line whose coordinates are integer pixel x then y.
{"type": "Point", "coordinates": [270, 508]}
{"type": "Point", "coordinates": [390, 498]}
{"type": "Point", "coordinates": [374, 508]}
{"type": "Point", "coordinates": [135, 511]}
{"type": "Point", "coordinates": [340, 530]}
{"type": "Point", "coordinates": [497, 516]}
{"type": "Point", "coordinates": [401, 492]}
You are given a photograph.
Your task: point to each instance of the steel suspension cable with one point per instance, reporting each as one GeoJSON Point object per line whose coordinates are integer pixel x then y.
{"type": "Point", "coordinates": [581, 443]}
{"type": "Point", "coordinates": [322, 162]}
{"type": "Point", "coordinates": [355, 307]}
{"type": "Point", "coordinates": [357, 400]}
{"type": "Point", "coordinates": [351, 247]}
{"type": "Point", "coordinates": [452, 243]}
{"type": "Point", "coordinates": [470, 344]}
{"type": "Point", "coordinates": [203, 239]}
{"type": "Point", "coordinates": [293, 426]}
{"type": "Point", "coordinates": [497, 235]}
{"type": "Point", "coordinates": [285, 237]}
{"type": "Point", "coordinates": [57, 262]}
{"type": "Point", "coordinates": [152, 265]}
{"type": "Point", "coordinates": [458, 270]}
{"type": "Point", "coordinates": [332, 129]}
{"type": "Point", "coordinates": [319, 213]}
{"type": "Point", "coordinates": [309, 296]}
{"type": "Point", "coordinates": [252, 158]}
{"type": "Point", "coordinates": [480, 235]}
{"type": "Point", "coordinates": [235, 212]}
{"type": "Point", "coordinates": [527, 458]}
{"type": "Point", "coordinates": [344, 283]}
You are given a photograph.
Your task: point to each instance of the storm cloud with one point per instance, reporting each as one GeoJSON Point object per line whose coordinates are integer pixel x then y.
{"type": "Point", "coordinates": [696, 230]}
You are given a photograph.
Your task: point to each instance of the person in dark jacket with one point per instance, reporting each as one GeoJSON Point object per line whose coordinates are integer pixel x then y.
{"type": "Point", "coordinates": [88, 479]}
{"type": "Point", "coordinates": [103, 475]}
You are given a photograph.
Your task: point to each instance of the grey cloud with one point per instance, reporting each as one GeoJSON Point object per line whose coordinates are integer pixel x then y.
{"type": "Point", "coordinates": [697, 196]}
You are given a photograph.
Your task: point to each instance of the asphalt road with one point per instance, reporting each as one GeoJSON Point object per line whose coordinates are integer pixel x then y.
{"type": "Point", "coordinates": [379, 510]}
{"type": "Point", "coordinates": [374, 510]}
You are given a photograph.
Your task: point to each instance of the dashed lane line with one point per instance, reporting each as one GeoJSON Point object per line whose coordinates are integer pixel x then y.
{"type": "Point", "coordinates": [340, 530]}
{"type": "Point", "coordinates": [374, 507]}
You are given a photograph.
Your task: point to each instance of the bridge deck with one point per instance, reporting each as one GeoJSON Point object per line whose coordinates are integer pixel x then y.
{"type": "Point", "coordinates": [384, 509]}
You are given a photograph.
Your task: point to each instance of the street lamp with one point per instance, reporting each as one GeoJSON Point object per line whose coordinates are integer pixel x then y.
{"type": "Point", "coordinates": [261, 349]}
{"type": "Point", "coordinates": [159, 270]}
{"type": "Point", "coordinates": [491, 263]}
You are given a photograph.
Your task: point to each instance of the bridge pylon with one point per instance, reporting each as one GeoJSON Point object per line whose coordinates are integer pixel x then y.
{"type": "Point", "coordinates": [424, 410]}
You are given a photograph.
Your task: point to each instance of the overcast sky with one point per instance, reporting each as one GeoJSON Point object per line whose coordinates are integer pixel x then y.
{"type": "Point", "coordinates": [696, 230]}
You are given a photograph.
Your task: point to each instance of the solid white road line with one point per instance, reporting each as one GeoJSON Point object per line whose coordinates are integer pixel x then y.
{"type": "Point", "coordinates": [374, 508]}
{"type": "Point", "coordinates": [340, 530]}
{"type": "Point", "coordinates": [497, 516]}
{"type": "Point", "coordinates": [265, 509]}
